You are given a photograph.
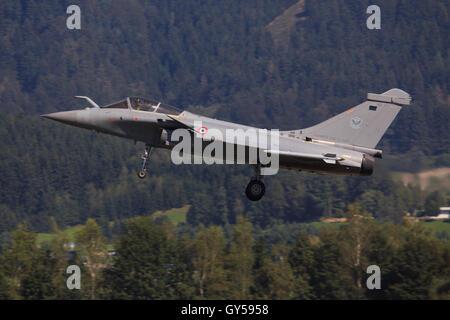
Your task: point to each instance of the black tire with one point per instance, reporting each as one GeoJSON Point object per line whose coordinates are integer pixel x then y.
{"type": "Point", "coordinates": [255, 190]}
{"type": "Point", "coordinates": [142, 174]}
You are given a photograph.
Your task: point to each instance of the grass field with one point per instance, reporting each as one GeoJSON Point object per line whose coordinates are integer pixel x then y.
{"type": "Point", "coordinates": [435, 227]}
{"type": "Point", "coordinates": [47, 237]}
{"type": "Point", "coordinates": [438, 226]}
{"type": "Point", "coordinates": [175, 215]}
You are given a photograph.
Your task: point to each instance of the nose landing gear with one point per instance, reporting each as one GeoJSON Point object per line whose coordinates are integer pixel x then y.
{"type": "Point", "coordinates": [255, 189]}
{"type": "Point", "coordinates": [143, 172]}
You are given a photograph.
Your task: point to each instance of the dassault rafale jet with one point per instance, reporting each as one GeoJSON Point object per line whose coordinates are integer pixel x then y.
{"type": "Point", "coordinates": [344, 144]}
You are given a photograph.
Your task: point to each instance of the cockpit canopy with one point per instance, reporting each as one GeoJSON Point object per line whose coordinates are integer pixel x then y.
{"type": "Point", "coordinates": [122, 104]}
{"type": "Point", "coordinates": [143, 104]}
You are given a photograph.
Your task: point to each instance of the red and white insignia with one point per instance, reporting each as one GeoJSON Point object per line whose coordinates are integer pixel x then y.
{"type": "Point", "coordinates": [203, 130]}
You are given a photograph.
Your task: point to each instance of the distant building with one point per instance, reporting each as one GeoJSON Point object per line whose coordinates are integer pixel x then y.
{"type": "Point", "coordinates": [444, 213]}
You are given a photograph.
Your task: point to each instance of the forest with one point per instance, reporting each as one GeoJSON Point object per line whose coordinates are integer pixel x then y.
{"type": "Point", "coordinates": [152, 261]}
{"type": "Point", "coordinates": [220, 59]}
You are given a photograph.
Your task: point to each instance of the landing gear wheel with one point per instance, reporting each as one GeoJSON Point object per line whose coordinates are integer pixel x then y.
{"type": "Point", "coordinates": [255, 190]}
{"type": "Point", "coordinates": [142, 174]}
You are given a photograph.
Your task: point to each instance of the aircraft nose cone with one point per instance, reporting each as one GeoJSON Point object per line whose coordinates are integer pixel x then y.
{"type": "Point", "coordinates": [65, 116]}
{"type": "Point", "coordinates": [79, 118]}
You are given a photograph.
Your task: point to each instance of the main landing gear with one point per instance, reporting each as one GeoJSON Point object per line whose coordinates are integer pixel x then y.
{"type": "Point", "coordinates": [255, 189]}
{"type": "Point", "coordinates": [143, 172]}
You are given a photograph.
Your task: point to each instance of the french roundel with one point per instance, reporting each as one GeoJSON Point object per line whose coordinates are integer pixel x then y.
{"type": "Point", "coordinates": [203, 130]}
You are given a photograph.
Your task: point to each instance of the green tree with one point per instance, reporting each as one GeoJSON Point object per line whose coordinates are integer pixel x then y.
{"type": "Point", "coordinates": [414, 266]}
{"type": "Point", "coordinates": [181, 280]}
{"type": "Point", "coordinates": [301, 259]}
{"type": "Point", "coordinates": [208, 260]}
{"type": "Point", "coordinates": [329, 279]}
{"type": "Point", "coordinates": [240, 260]}
{"type": "Point", "coordinates": [432, 203]}
{"type": "Point", "coordinates": [260, 279]}
{"type": "Point", "coordinates": [279, 274]}
{"type": "Point", "coordinates": [38, 285]}
{"type": "Point", "coordinates": [141, 265]}
{"type": "Point", "coordinates": [29, 267]}
{"type": "Point", "coordinates": [91, 246]}
{"type": "Point", "coordinates": [4, 286]}
{"type": "Point", "coordinates": [353, 242]}
{"type": "Point", "coordinates": [59, 248]}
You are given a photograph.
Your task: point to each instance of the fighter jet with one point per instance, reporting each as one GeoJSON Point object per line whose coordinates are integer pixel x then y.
{"type": "Point", "coordinates": [344, 144]}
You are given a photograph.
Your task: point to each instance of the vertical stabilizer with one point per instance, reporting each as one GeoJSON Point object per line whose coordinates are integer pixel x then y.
{"type": "Point", "coordinates": [363, 125]}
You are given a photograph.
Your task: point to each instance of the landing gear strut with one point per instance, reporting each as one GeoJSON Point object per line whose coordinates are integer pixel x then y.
{"type": "Point", "coordinates": [255, 189]}
{"type": "Point", "coordinates": [143, 172]}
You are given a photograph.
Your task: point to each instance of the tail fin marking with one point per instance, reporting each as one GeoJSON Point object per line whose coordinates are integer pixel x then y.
{"type": "Point", "coordinates": [363, 125]}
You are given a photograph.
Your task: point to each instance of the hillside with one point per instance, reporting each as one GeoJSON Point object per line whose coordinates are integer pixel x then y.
{"type": "Point", "coordinates": [207, 53]}
{"type": "Point", "coordinates": [280, 27]}
{"type": "Point", "coordinates": [437, 179]}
